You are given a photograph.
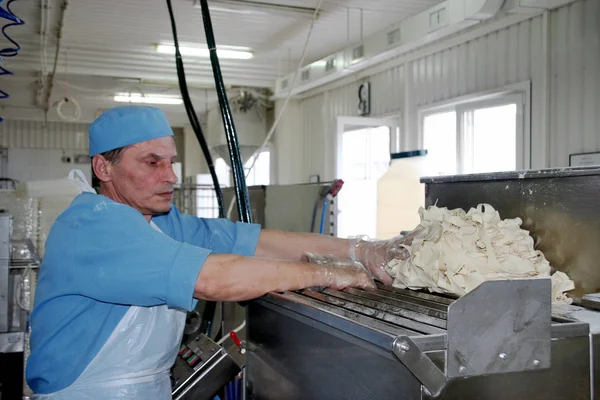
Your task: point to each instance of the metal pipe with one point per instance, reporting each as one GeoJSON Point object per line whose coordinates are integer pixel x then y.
{"type": "Point", "coordinates": [239, 180]}
{"type": "Point", "coordinates": [46, 104]}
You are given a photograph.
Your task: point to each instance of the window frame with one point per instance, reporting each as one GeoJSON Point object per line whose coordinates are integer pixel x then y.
{"type": "Point", "coordinates": [393, 122]}
{"type": "Point", "coordinates": [519, 94]}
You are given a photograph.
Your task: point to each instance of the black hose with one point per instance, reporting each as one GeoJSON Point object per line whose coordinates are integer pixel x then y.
{"type": "Point", "coordinates": [239, 180]}
{"type": "Point", "coordinates": [208, 314]}
{"type": "Point", "coordinates": [191, 113]}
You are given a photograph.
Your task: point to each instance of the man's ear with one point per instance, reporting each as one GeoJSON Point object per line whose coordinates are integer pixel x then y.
{"type": "Point", "coordinates": [102, 168]}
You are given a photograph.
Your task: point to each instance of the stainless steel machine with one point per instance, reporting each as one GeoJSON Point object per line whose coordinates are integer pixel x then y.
{"type": "Point", "coordinates": [503, 340]}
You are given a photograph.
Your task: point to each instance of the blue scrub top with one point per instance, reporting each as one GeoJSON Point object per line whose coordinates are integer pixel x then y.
{"type": "Point", "coordinates": [103, 257]}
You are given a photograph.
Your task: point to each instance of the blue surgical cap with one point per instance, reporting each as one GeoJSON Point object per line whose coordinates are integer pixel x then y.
{"type": "Point", "coordinates": [122, 126]}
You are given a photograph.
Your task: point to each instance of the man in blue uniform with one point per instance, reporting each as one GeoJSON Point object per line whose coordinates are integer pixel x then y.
{"type": "Point", "coordinates": [122, 267]}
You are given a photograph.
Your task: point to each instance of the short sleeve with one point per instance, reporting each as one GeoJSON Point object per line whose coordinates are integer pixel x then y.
{"type": "Point", "coordinates": [121, 259]}
{"type": "Point", "coordinates": [217, 234]}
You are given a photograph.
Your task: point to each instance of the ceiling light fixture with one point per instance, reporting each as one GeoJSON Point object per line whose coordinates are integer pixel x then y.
{"type": "Point", "coordinates": [147, 99]}
{"type": "Point", "coordinates": [224, 53]}
{"type": "Point", "coordinates": [258, 8]}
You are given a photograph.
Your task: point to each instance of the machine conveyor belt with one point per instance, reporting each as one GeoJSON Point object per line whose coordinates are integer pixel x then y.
{"type": "Point", "coordinates": [387, 309]}
{"type": "Point", "coordinates": [416, 312]}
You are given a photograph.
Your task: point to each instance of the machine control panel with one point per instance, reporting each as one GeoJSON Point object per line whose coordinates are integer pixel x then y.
{"type": "Point", "coordinates": [201, 369]}
{"type": "Point", "coordinates": [198, 351]}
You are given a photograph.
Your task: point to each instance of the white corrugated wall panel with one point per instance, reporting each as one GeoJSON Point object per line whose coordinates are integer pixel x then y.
{"type": "Point", "coordinates": [319, 122]}
{"type": "Point", "coordinates": [492, 61]}
{"type": "Point", "coordinates": [34, 135]}
{"type": "Point", "coordinates": [575, 81]}
{"type": "Point", "coordinates": [508, 56]}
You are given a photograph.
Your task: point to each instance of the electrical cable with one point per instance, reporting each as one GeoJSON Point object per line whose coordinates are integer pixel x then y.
{"type": "Point", "coordinates": [256, 154]}
{"type": "Point", "coordinates": [239, 179]}
{"type": "Point", "coordinates": [8, 51]}
{"type": "Point", "coordinates": [208, 314]}
{"type": "Point", "coordinates": [192, 116]}
{"type": "Point", "coordinates": [66, 99]}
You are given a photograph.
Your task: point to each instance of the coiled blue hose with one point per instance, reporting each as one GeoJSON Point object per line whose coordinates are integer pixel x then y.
{"type": "Point", "coordinates": [8, 51]}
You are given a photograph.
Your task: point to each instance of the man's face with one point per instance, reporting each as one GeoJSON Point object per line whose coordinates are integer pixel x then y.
{"type": "Point", "coordinates": [144, 177]}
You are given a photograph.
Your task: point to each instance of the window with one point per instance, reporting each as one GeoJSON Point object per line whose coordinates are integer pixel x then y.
{"type": "Point", "coordinates": [475, 137]}
{"type": "Point", "coordinates": [365, 157]}
{"type": "Point", "coordinates": [493, 139]}
{"type": "Point", "coordinates": [439, 138]}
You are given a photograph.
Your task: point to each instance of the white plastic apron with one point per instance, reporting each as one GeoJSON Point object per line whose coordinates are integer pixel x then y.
{"type": "Point", "coordinates": [134, 362]}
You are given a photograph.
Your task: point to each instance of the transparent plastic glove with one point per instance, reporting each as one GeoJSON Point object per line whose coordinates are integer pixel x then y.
{"type": "Point", "coordinates": [376, 254]}
{"type": "Point", "coordinates": [339, 273]}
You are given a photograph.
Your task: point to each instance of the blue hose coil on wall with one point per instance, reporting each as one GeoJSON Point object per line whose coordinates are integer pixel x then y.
{"type": "Point", "coordinates": [8, 51]}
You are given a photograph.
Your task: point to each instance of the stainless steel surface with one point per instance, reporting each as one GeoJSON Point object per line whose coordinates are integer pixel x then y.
{"type": "Point", "coordinates": [591, 300]}
{"type": "Point", "coordinates": [394, 315]}
{"type": "Point", "coordinates": [424, 369]}
{"type": "Point", "coordinates": [351, 344]}
{"type": "Point", "coordinates": [11, 342]}
{"type": "Point", "coordinates": [569, 329]}
{"type": "Point", "coordinates": [293, 356]}
{"type": "Point", "coordinates": [4, 273]}
{"type": "Point", "coordinates": [567, 378]}
{"type": "Point", "coordinates": [595, 366]}
{"type": "Point", "coordinates": [284, 207]}
{"type": "Point", "coordinates": [371, 330]}
{"type": "Point", "coordinates": [558, 207]}
{"type": "Point", "coordinates": [526, 174]}
{"type": "Point", "coordinates": [500, 327]}
{"type": "Point", "coordinates": [257, 203]}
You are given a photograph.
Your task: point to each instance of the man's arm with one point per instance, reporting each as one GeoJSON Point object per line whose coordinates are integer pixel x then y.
{"type": "Point", "coordinates": [374, 255]}
{"type": "Point", "coordinates": [292, 245]}
{"type": "Point", "coordinates": [228, 277]}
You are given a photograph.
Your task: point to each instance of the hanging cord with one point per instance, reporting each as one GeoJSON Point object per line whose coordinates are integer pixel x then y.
{"type": "Point", "coordinates": [66, 99]}
{"type": "Point", "coordinates": [239, 180]}
{"type": "Point", "coordinates": [285, 102]}
{"type": "Point", "coordinates": [8, 51]}
{"type": "Point", "coordinates": [208, 314]}
{"type": "Point", "coordinates": [192, 116]}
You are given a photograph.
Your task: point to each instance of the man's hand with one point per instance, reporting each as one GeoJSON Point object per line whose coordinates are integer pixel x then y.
{"type": "Point", "coordinates": [340, 273]}
{"type": "Point", "coordinates": [376, 254]}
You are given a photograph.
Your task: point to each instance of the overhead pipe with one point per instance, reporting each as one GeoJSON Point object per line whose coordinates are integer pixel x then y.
{"type": "Point", "coordinates": [48, 92]}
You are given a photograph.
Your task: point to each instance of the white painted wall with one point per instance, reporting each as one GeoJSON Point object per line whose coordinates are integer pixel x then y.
{"type": "Point", "coordinates": [35, 152]}
{"type": "Point", "coordinates": [559, 53]}
{"type": "Point", "coordinates": [27, 165]}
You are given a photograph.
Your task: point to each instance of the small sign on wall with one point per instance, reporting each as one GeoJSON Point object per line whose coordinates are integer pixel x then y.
{"type": "Point", "coordinates": [584, 159]}
{"type": "Point", "coordinates": [364, 99]}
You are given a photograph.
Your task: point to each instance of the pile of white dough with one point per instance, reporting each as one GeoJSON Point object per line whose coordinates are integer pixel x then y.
{"type": "Point", "coordinates": [453, 252]}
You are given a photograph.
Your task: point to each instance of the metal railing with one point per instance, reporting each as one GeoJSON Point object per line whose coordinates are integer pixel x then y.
{"type": "Point", "coordinates": [197, 200]}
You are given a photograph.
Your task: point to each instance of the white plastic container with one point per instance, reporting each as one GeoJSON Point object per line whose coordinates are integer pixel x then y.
{"type": "Point", "coordinates": [400, 194]}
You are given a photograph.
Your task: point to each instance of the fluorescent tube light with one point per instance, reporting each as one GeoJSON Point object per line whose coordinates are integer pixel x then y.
{"type": "Point", "coordinates": [201, 52]}
{"type": "Point", "coordinates": [257, 8]}
{"type": "Point", "coordinates": [146, 99]}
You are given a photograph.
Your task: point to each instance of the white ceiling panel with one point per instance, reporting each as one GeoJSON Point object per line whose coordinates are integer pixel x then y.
{"type": "Point", "coordinates": [106, 40]}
